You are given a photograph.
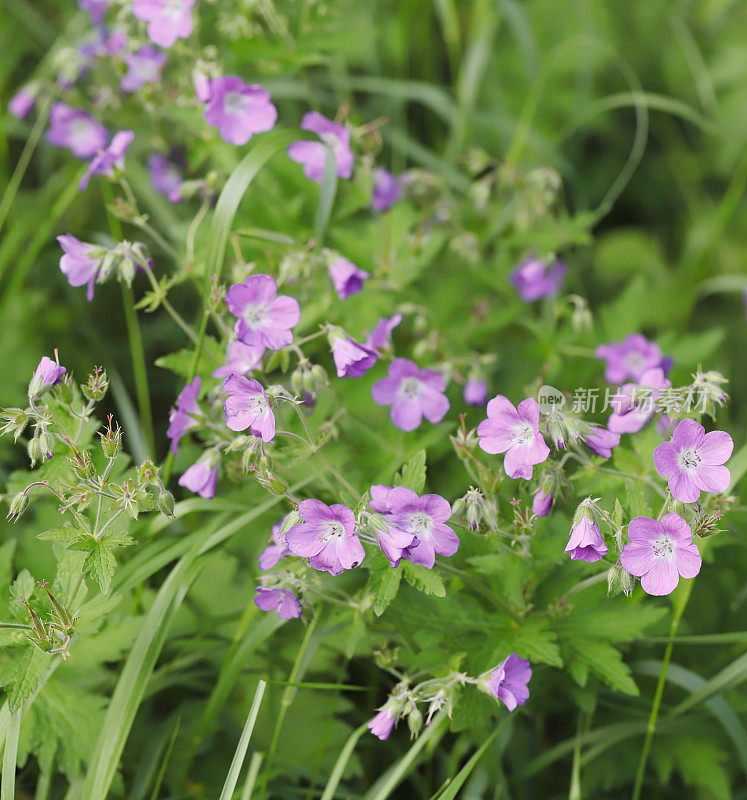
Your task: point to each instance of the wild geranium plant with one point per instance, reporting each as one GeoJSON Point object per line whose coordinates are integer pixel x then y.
{"type": "Point", "coordinates": [417, 498]}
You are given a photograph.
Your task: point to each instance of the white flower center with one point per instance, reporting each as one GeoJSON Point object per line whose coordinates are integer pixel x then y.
{"type": "Point", "coordinates": [332, 141]}
{"type": "Point", "coordinates": [173, 9]}
{"type": "Point", "coordinates": [420, 525]}
{"type": "Point", "coordinates": [688, 460]}
{"type": "Point", "coordinates": [255, 316]}
{"type": "Point", "coordinates": [234, 103]}
{"type": "Point", "coordinates": [664, 546]}
{"type": "Point", "coordinates": [635, 361]}
{"type": "Point", "coordinates": [410, 388]}
{"type": "Point", "coordinates": [334, 530]}
{"type": "Point", "coordinates": [523, 434]}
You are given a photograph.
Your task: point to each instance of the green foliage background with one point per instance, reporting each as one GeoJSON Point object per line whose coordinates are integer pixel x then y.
{"type": "Point", "coordinates": [640, 107]}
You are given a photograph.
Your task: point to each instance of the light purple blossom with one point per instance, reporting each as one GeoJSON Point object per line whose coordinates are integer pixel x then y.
{"type": "Point", "coordinates": [80, 262]}
{"type": "Point", "coordinates": [202, 477]}
{"type": "Point", "coordinates": [47, 374]}
{"type": "Point", "coordinates": [535, 278]}
{"type": "Point", "coordinates": [168, 20]}
{"type": "Point", "coordinates": [22, 102]}
{"type": "Point", "coordinates": [515, 432]}
{"type": "Point", "coordinates": [326, 537]}
{"type": "Point", "coordinates": [241, 359]}
{"type": "Point", "coordinates": [693, 461]}
{"type": "Point", "coordinates": [475, 391]}
{"type": "Point", "coordinates": [311, 154]}
{"type": "Point", "coordinates": [542, 503]}
{"type": "Point", "coordinates": [165, 176]}
{"type": "Point", "coordinates": [660, 552]}
{"type": "Point", "coordinates": [413, 393]}
{"type": "Point", "coordinates": [275, 552]}
{"type": "Point", "coordinates": [586, 543]}
{"type": "Point", "coordinates": [115, 41]}
{"type": "Point", "coordinates": [247, 406]}
{"type": "Point", "coordinates": [600, 441]}
{"type": "Point", "coordinates": [201, 82]}
{"type": "Point", "coordinates": [394, 541]}
{"type": "Point", "coordinates": [105, 162]}
{"type": "Point", "coordinates": [631, 409]}
{"type": "Point", "coordinates": [346, 277]}
{"type": "Point", "coordinates": [283, 602]}
{"type": "Point", "coordinates": [382, 725]}
{"type": "Point", "coordinates": [143, 66]}
{"type": "Point", "coordinates": [352, 360]}
{"type": "Point", "coordinates": [508, 681]}
{"type": "Point", "coordinates": [96, 9]}
{"type": "Point", "coordinates": [629, 358]}
{"type": "Point", "coordinates": [386, 190]}
{"type": "Point", "coordinates": [380, 337]}
{"type": "Point", "coordinates": [239, 110]}
{"type": "Point", "coordinates": [263, 317]}
{"type": "Point", "coordinates": [182, 418]}
{"type": "Point", "coordinates": [425, 518]}
{"type": "Point", "coordinates": [76, 130]}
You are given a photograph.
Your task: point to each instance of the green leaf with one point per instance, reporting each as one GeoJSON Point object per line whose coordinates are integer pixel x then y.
{"type": "Point", "coordinates": [412, 474]}
{"type": "Point", "coordinates": [604, 661]}
{"type": "Point", "coordinates": [384, 584]}
{"type": "Point", "coordinates": [101, 564]}
{"type": "Point", "coordinates": [636, 499]}
{"type": "Point", "coordinates": [424, 579]}
{"type": "Point", "coordinates": [327, 192]}
{"type": "Point", "coordinates": [65, 534]}
{"type": "Point", "coordinates": [24, 674]}
{"type": "Point", "coordinates": [180, 362]}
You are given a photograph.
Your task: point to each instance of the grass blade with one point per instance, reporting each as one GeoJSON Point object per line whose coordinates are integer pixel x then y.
{"type": "Point", "coordinates": [8, 785]}
{"type": "Point", "coordinates": [342, 761]}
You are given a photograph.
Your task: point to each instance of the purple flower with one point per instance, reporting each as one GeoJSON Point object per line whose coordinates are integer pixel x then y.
{"type": "Point", "coordinates": [632, 409]}
{"type": "Point", "coordinates": [143, 66]}
{"type": "Point", "coordinates": [284, 603]}
{"type": "Point", "coordinates": [659, 552]}
{"type": "Point", "coordinates": [693, 461]}
{"type": "Point", "coordinates": [182, 418]}
{"type": "Point", "coordinates": [48, 374]}
{"type": "Point", "coordinates": [108, 159]}
{"type": "Point", "coordinates": [586, 543]}
{"type": "Point", "coordinates": [165, 176]}
{"type": "Point", "coordinates": [247, 406]}
{"type": "Point", "coordinates": [21, 103]}
{"type": "Point", "coordinates": [542, 503]}
{"type": "Point", "coordinates": [263, 317]}
{"type": "Point", "coordinates": [508, 681]}
{"type": "Point", "coordinates": [326, 537]}
{"type": "Point", "coordinates": [600, 441]}
{"type": "Point", "coordinates": [75, 129]}
{"type": "Point", "coordinates": [629, 358]}
{"type": "Point", "coordinates": [382, 725]}
{"type": "Point", "coordinates": [386, 190]}
{"type": "Point", "coordinates": [535, 278]}
{"type": "Point", "coordinates": [475, 391]}
{"type": "Point", "coordinates": [201, 82]}
{"type": "Point", "coordinates": [115, 42]}
{"type": "Point", "coordinates": [168, 20]}
{"type": "Point", "coordinates": [96, 9]}
{"type": "Point", "coordinates": [346, 277]}
{"type": "Point", "coordinates": [394, 541]}
{"type": "Point", "coordinates": [241, 359]}
{"type": "Point", "coordinates": [276, 551]}
{"type": "Point", "coordinates": [311, 154]}
{"type": "Point", "coordinates": [425, 518]}
{"type": "Point", "coordinates": [202, 477]}
{"type": "Point", "coordinates": [351, 359]}
{"type": "Point", "coordinates": [239, 110]}
{"type": "Point", "coordinates": [80, 262]}
{"type": "Point", "coordinates": [380, 337]}
{"type": "Point", "coordinates": [515, 432]}
{"type": "Point", "coordinates": [413, 393]}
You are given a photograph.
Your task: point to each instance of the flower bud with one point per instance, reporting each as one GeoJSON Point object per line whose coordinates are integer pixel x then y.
{"type": "Point", "coordinates": [46, 444]}
{"type": "Point", "coordinates": [272, 483]}
{"type": "Point", "coordinates": [34, 450]}
{"type": "Point", "coordinates": [619, 580]}
{"type": "Point", "coordinates": [18, 505]}
{"type": "Point", "coordinates": [297, 380]}
{"type": "Point", "coordinates": [414, 721]}
{"type": "Point", "coordinates": [96, 386]}
{"type": "Point", "coordinates": [165, 502]}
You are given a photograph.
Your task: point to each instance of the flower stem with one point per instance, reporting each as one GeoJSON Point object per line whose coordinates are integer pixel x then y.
{"type": "Point", "coordinates": [679, 608]}
{"type": "Point", "coordinates": [286, 700]}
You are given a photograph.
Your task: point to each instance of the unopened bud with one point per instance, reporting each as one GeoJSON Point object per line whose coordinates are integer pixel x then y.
{"type": "Point", "coordinates": [166, 503]}
{"type": "Point", "coordinates": [272, 483]}
{"type": "Point", "coordinates": [17, 506]}
{"type": "Point", "coordinates": [414, 721]}
{"type": "Point", "coordinates": [46, 444]}
{"type": "Point", "coordinates": [34, 450]}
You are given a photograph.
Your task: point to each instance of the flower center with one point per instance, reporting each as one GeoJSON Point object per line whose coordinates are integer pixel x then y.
{"type": "Point", "coordinates": [635, 362]}
{"type": "Point", "coordinates": [664, 546]}
{"type": "Point", "coordinates": [410, 388]}
{"type": "Point", "coordinates": [78, 128]}
{"type": "Point", "coordinates": [420, 525]}
{"type": "Point", "coordinates": [334, 530]}
{"type": "Point", "coordinates": [522, 434]}
{"type": "Point", "coordinates": [255, 316]}
{"type": "Point", "coordinates": [332, 141]}
{"type": "Point", "coordinates": [689, 459]}
{"type": "Point", "coordinates": [173, 9]}
{"type": "Point", "coordinates": [234, 103]}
